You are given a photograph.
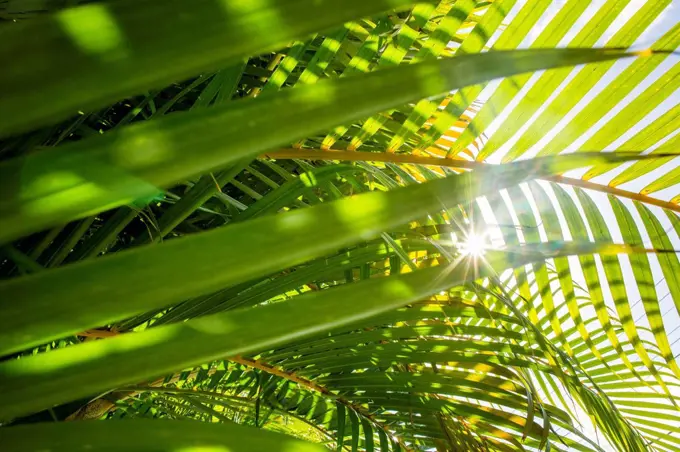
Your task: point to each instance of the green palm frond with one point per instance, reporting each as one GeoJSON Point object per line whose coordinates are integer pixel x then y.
{"type": "Point", "coordinates": [291, 216]}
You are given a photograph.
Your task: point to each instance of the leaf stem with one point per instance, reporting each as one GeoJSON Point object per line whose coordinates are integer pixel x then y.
{"type": "Point", "coordinates": [354, 156]}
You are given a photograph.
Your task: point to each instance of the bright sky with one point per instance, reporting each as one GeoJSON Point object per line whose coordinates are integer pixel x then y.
{"type": "Point", "coordinates": [669, 18]}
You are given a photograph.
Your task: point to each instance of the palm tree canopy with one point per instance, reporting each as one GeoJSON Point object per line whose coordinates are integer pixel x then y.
{"type": "Point", "coordinates": [363, 225]}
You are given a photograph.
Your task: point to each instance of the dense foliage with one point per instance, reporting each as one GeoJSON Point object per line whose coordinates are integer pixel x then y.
{"type": "Point", "coordinates": [289, 215]}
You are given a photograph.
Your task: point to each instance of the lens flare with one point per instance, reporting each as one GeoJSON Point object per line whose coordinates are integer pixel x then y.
{"type": "Point", "coordinates": [473, 245]}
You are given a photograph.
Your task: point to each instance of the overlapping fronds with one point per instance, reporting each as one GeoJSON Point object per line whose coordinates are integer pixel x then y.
{"type": "Point", "coordinates": [290, 215]}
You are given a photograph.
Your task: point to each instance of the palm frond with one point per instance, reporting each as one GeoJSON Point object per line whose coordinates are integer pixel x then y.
{"type": "Point", "coordinates": [296, 222]}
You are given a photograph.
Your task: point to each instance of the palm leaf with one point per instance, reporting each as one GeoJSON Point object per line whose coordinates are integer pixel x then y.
{"type": "Point", "coordinates": [363, 304]}
{"type": "Point", "coordinates": [143, 434]}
